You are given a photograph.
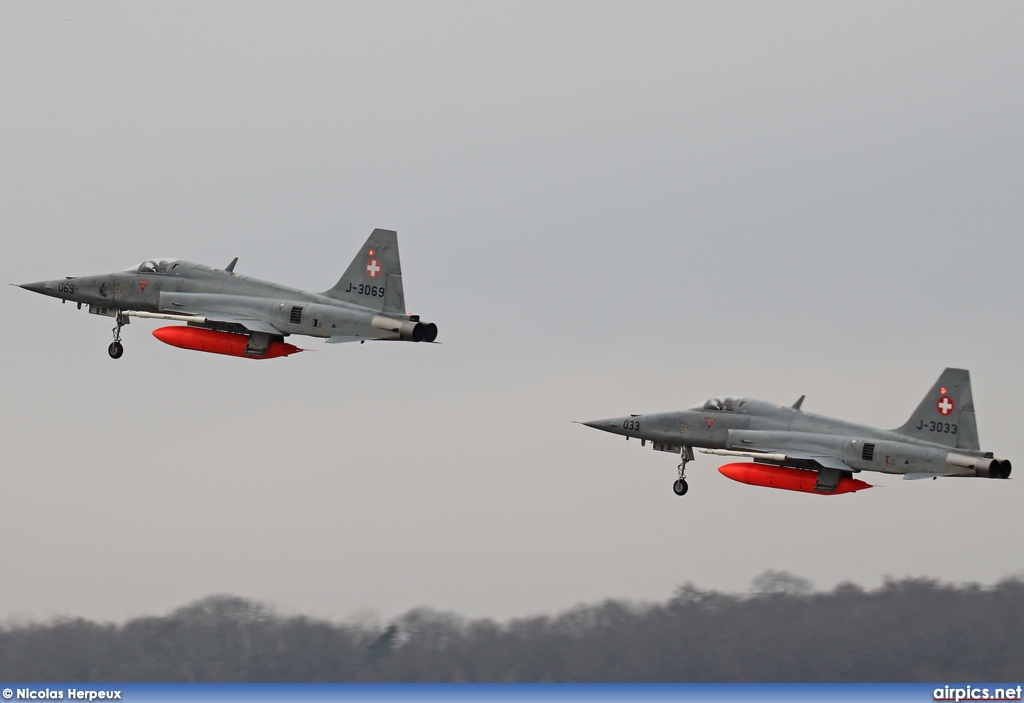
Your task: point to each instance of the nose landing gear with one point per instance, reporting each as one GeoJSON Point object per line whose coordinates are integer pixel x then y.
{"type": "Point", "coordinates": [680, 486]}
{"type": "Point", "coordinates": [116, 349]}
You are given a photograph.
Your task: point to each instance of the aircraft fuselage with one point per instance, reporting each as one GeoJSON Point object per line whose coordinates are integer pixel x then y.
{"type": "Point", "coordinates": [367, 302]}
{"type": "Point", "coordinates": [760, 427]}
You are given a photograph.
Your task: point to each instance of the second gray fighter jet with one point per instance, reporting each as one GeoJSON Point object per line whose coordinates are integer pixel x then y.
{"type": "Point", "coordinates": [788, 448]}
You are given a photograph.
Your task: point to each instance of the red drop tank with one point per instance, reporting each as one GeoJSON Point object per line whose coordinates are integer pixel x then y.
{"type": "Point", "coordinates": [214, 342]}
{"type": "Point", "coordinates": [786, 478]}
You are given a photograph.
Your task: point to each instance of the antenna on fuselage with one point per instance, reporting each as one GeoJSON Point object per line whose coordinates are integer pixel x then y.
{"type": "Point", "coordinates": [799, 402]}
{"type": "Point", "coordinates": [230, 268]}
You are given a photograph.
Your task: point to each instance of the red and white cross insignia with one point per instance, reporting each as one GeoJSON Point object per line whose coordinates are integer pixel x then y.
{"type": "Point", "coordinates": [944, 406]}
{"type": "Point", "coordinates": [372, 268]}
{"type": "Point", "coordinates": [142, 284]}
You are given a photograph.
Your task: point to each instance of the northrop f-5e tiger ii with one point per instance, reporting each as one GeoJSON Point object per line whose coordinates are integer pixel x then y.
{"type": "Point", "coordinates": [788, 448]}
{"type": "Point", "coordinates": [229, 313]}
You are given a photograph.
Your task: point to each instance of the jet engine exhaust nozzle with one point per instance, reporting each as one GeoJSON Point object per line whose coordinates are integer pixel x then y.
{"type": "Point", "coordinates": [1004, 468]}
{"type": "Point", "coordinates": [983, 467]}
{"type": "Point", "coordinates": [404, 330]}
{"type": "Point", "coordinates": [418, 333]}
{"type": "Point", "coordinates": [986, 468]}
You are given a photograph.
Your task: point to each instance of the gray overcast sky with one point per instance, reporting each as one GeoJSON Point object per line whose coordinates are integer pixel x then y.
{"type": "Point", "coordinates": [606, 207]}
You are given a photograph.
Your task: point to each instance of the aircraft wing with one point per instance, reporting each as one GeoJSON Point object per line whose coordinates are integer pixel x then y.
{"type": "Point", "coordinates": [215, 312]}
{"type": "Point", "coordinates": [798, 459]}
{"type": "Point", "coordinates": [249, 323]}
{"type": "Point", "coordinates": [823, 460]}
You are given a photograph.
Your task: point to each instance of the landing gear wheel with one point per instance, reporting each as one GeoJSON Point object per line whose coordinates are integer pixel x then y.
{"type": "Point", "coordinates": [115, 349]}
{"type": "Point", "coordinates": [680, 486]}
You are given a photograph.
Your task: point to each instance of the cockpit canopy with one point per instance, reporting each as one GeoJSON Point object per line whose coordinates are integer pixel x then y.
{"type": "Point", "coordinates": [728, 405]}
{"type": "Point", "coordinates": [154, 266]}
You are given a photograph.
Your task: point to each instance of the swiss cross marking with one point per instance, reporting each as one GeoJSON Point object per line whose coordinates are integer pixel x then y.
{"type": "Point", "coordinates": [372, 268]}
{"type": "Point", "coordinates": [944, 406]}
{"type": "Point", "coordinates": [142, 284]}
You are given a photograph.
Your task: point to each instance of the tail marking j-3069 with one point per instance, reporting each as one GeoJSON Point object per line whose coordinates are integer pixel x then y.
{"type": "Point", "coordinates": [244, 316]}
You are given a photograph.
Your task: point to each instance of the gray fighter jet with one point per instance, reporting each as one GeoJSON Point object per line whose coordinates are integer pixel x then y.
{"type": "Point", "coordinates": [788, 448]}
{"type": "Point", "coordinates": [229, 313]}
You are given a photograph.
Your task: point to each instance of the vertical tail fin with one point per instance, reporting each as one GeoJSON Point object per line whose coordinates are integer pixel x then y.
{"type": "Point", "coordinates": [946, 415]}
{"type": "Point", "coordinates": [374, 278]}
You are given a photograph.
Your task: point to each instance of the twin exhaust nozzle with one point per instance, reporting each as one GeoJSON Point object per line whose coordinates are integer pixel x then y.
{"type": "Point", "coordinates": [404, 330]}
{"type": "Point", "coordinates": [998, 468]}
{"type": "Point", "coordinates": [985, 467]}
{"type": "Point", "coordinates": [421, 332]}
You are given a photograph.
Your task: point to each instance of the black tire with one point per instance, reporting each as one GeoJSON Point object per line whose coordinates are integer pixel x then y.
{"type": "Point", "coordinates": [115, 350]}
{"type": "Point", "coordinates": [680, 487]}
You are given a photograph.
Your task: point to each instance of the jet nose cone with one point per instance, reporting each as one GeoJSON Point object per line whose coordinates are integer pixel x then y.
{"type": "Point", "coordinates": [38, 287]}
{"type": "Point", "coordinates": [608, 425]}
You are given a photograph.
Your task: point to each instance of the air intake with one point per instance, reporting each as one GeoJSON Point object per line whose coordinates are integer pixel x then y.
{"type": "Point", "coordinates": [296, 315]}
{"type": "Point", "coordinates": [868, 454]}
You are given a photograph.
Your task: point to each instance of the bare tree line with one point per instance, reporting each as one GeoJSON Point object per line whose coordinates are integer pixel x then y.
{"type": "Point", "coordinates": [907, 630]}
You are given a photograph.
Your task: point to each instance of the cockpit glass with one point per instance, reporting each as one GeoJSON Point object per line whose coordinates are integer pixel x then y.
{"type": "Point", "coordinates": [157, 266]}
{"type": "Point", "coordinates": [722, 405]}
